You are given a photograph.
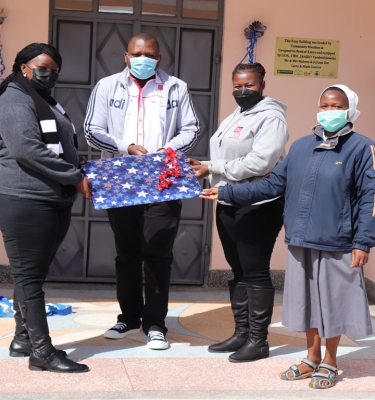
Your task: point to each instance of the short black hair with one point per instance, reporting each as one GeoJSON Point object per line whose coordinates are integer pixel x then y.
{"type": "Point", "coordinates": [255, 67]}
{"type": "Point", "coordinates": [145, 37]}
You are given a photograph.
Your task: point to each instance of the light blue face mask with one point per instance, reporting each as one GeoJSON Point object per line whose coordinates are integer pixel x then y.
{"type": "Point", "coordinates": [142, 67]}
{"type": "Point", "coordinates": [332, 121]}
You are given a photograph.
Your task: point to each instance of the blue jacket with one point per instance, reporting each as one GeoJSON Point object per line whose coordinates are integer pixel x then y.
{"type": "Point", "coordinates": [329, 189]}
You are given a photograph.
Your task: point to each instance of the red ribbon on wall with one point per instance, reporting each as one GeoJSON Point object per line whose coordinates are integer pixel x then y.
{"type": "Point", "coordinates": [171, 168]}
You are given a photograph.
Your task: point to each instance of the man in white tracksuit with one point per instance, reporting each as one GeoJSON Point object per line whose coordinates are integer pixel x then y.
{"type": "Point", "coordinates": [142, 110]}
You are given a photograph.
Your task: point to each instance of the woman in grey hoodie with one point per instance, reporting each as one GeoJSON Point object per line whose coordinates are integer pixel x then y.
{"type": "Point", "coordinates": [245, 148]}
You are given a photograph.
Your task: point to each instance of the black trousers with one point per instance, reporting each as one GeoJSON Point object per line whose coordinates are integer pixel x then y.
{"type": "Point", "coordinates": [32, 231]}
{"type": "Point", "coordinates": [248, 236]}
{"type": "Point", "coordinates": [144, 234]}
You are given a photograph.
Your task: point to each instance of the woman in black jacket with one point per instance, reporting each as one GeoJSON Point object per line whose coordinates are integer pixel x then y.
{"type": "Point", "coordinates": [39, 178]}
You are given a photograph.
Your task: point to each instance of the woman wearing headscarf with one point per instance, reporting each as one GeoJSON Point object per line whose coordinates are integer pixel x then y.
{"type": "Point", "coordinates": [39, 178]}
{"type": "Point", "coordinates": [328, 180]}
{"type": "Point", "coordinates": [245, 148]}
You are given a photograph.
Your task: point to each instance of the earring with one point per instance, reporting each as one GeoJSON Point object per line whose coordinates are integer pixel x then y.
{"type": "Point", "coordinates": [24, 74]}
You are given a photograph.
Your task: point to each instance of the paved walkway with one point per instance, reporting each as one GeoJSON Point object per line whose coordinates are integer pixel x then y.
{"type": "Point", "coordinates": [198, 317]}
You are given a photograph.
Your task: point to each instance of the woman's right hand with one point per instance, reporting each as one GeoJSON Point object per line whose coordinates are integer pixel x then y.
{"type": "Point", "coordinates": [200, 171]}
{"type": "Point", "coordinates": [84, 187]}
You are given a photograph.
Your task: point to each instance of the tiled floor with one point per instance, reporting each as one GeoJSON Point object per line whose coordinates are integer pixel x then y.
{"type": "Point", "coordinates": [197, 317]}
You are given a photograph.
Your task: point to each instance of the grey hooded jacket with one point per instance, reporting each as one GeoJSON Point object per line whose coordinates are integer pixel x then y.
{"type": "Point", "coordinates": [249, 144]}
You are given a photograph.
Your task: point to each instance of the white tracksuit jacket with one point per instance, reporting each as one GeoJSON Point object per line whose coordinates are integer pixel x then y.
{"type": "Point", "coordinates": [106, 111]}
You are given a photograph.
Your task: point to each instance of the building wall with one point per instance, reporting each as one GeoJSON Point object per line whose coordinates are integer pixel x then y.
{"type": "Point", "coordinates": [304, 19]}
{"type": "Point", "coordinates": [289, 18]}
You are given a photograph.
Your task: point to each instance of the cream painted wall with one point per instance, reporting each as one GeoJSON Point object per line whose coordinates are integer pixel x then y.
{"type": "Point", "coordinates": [295, 18]}
{"type": "Point", "coordinates": [25, 24]}
{"type": "Point", "coordinates": [304, 19]}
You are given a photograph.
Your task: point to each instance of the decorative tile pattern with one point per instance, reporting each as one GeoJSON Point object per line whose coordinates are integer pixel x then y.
{"type": "Point", "coordinates": [195, 320]}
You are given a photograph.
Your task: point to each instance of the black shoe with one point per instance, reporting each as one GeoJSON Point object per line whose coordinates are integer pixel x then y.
{"type": "Point", "coordinates": [238, 300]}
{"type": "Point", "coordinates": [234, 343]}
{"type": "Point", "coordinates": [260, 314]}
{"type": "Point", "coordinates": [55, 362]}
{"type": "Point", "coordinates": [44, 356]}
{"type": "Point", "coordinates": [20, 347]}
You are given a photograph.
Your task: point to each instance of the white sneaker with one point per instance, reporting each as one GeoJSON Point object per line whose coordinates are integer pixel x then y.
{"type": "Point", "coordinates": [119, 331]}
{"type": "Point", "coordinates": [156, 341]}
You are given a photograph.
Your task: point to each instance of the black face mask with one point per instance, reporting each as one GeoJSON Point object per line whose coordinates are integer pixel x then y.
{"type": "Point", "coordinates": [247, 98]}
{"type": "Point", "coordinates": [43, 80]}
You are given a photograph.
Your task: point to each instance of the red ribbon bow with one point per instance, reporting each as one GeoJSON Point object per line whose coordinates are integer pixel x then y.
{"type": "Point", "coordinates": [171, 168]}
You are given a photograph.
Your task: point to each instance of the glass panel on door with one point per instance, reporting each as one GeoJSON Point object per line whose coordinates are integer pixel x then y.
{"type": "Point", "coordinates": [203, 9]}
{"type": "Point", "coordinates": [79, 5]}
{"type": "Point", "coordinates": [159, 7]}
{"type": "Point", "coordinates": [116, 6]}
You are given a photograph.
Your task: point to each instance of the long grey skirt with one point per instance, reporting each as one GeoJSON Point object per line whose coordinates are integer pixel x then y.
{"type": "Point", "coordinates": [322, 291]}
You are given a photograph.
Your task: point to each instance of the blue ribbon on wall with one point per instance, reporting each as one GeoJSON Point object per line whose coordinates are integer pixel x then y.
{"type": "Point", "coordinates": [252, 32]}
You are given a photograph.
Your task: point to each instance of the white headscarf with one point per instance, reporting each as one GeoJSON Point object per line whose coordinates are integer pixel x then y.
{"type": "Point", "coordinates": [353, 113]}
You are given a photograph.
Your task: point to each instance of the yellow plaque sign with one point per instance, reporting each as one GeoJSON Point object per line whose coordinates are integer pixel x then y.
{"type": "Point", "coordinates": [308, 58]}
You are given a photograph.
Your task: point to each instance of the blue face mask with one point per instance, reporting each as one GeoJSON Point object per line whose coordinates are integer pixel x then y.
{"type": "Point", "coordinates": [142, 67]}
{"type": "Point", "coordinates": [332, 121]}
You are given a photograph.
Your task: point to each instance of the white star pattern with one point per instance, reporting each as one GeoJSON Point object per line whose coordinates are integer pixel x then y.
{"type": "Point", "coordinates": [183, 189]}
{"type": "Point", "coordinates": [141, 194]}
{"type": "Point", "coordinates": [134, 180]}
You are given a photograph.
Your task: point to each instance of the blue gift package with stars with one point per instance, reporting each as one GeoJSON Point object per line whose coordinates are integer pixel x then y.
{"type": "Point", "coordinates": [132, 180]}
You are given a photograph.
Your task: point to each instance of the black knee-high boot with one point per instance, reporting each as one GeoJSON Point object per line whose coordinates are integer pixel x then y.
{"type": "Point", "coordinates": [260, 302]}
{"type": "Point", "coordinates": [20, 345]}
{"type": "Point", "coordinates": [239, 304]}
{"type": "Point", "coordinates": [44, 356]}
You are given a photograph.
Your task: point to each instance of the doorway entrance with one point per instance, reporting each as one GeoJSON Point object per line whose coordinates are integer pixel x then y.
{"type": "Point", "coordinates": [92, 37]}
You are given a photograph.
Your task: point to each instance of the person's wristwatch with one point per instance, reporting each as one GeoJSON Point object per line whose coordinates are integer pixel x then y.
{"type": "Point", "coordinates": [209, 168]}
